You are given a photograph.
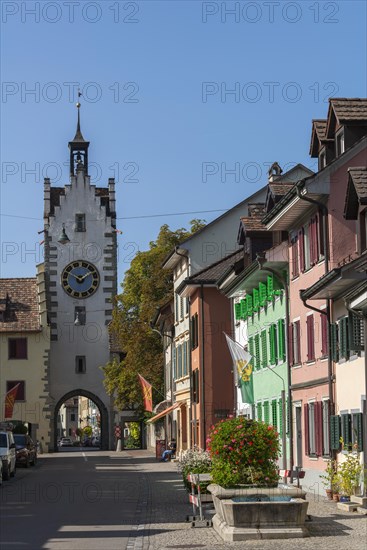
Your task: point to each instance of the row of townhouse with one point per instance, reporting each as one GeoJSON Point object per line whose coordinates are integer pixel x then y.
{"type": "Point", "coordinates": [285, 274]}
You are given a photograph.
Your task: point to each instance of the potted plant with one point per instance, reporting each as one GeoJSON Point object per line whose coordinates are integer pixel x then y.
{"type": "Point", "coordinates": [350, 471]}
{"type": "Point", "coordinates": [195, 461]}
{"type": "Point", "coordinates": [330, 479]}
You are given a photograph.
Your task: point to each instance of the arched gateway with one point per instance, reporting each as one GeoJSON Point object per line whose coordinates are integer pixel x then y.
{"type": "Point", "coordinates": [80, 283]}
{"type": "Point", "coordinates": [102, 411]}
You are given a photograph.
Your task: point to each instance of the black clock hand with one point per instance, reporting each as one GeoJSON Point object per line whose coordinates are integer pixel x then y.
{"type": "Point", "coordinates": [79, 278]}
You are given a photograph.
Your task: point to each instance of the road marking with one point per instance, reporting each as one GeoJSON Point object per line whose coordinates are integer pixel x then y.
{"type": "Point", "coordinates": [85, 457]}
{"type": "Point", "coordinates": [93, 528]}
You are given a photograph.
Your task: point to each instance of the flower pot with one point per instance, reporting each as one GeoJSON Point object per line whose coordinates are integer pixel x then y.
{"type": "Point", "coordinates": [335, 497]}
{"type": "Point", "coordinates": [329, 494]}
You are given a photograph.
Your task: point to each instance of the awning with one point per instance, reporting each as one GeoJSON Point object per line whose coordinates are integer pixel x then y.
{"type": "Point", "coordinates": [166, 411]}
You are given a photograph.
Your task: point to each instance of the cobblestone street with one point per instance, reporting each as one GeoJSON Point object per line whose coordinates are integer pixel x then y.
{"type": "Point", "coordinates": [162, 524]}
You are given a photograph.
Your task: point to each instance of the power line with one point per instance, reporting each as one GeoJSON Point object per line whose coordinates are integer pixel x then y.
{"type": "Point", "coordinates": [131, 217]}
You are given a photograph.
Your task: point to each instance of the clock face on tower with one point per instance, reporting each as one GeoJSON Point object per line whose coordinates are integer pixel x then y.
{"type": "Point", "coordinates": [80, 279]}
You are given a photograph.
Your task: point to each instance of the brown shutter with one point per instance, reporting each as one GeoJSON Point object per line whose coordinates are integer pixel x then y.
{"type": "Point", "coordinates": [306, 431]}
{"type": "Point", "coordinates": [324, 335]}
{"type": "Point", "coordinates": [318, 428]}
{"type": "Point", "coordinates": [290, 345]}
{"type": "Point", "coordinates": [301, 249]}
{"type": "Point", "coordinates": [310, 338]}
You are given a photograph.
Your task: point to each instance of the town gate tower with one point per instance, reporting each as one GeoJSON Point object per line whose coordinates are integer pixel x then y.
{"type": "Point", "coordinates": [81, 280]}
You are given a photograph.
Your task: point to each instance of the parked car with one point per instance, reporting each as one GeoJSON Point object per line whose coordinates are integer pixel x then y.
{"type": "Point", "coordinates": [66, 442]}
{"type": "Point", "coordinates": [26, 451]}
{"type": "Point", "coordinates": [7, 454]}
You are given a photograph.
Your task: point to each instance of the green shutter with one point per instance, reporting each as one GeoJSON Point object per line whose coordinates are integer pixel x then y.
{"type": "Point", "coordinates": [334, 342]}
{"type": "Point", "coordinates": [281, 340]}
{"type": "Point", "coordinates": [256, 304]}
{"type": "Point", "coordinates": [249, 304]}
{"type": "Point", "coordinates": [174, 363]}
{"type": "Point", "coordinates": [273, 345]}
{"type": "Point", "coordinates": [262, 294]}
{"type": "Point", "coordinates": [355, 332]}
{"type": "Point", "coordinates": [270, 287]}
{"type": "Point", "coordinates": [274, 415]}
{"type": "Point", "coordinates": [280, 405]}
{"type": "Point", "coordinates": [257, 351]}
{"type": "Point", "coordinates": [237, 309]}
{"type": "Point", "coordinates": [243, 312]}
{"type": "Point", "coordinates": [184, 369]}
{"type": "Point", "coordinates": [264, 350]}
{"type": "Point", "coordinates": [346, 422]}
{"type": "Point", "coordinates": [358, 430]}
{"type": "Point", "coordinates": [266, 412]}
{"type": "Point", "coordinates": [343, 338]}
{"type": "Point", "coordinates": [251, 347]}
{"type": "Point", "coordinates": [335, 432]}
{"type": "Point", "coordinates": [259, 411]}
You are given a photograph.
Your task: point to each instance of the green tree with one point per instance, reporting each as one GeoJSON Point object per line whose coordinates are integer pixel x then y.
{"type": "Point", "coordinates": [145, 288]}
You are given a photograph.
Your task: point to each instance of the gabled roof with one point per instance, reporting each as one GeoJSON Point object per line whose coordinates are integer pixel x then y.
{"type": "Point", "coordinates": [280, 186]}
{"type": "Point", "coordinates": [19, 305]}
{"type": "Point", "coordinates": [356, 192]}
{"type": "Point", "coordinates": [318, 135]}
{"type": "Point", "coordinates": [253, 221]}
{"type": "Point", "coordinates": [172, 257]}
{"type": "Point", "coordinates": [345, 110]}
{"type": "Point", "coordinates": [212, 274]}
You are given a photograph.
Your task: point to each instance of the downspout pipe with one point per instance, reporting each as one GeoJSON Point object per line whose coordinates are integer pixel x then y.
{"type": "Point", "coordinates": [283, 280]}
{"type": "Point", "coordinates": [202, 374]}
{"type": "Point", "coordinates": [325, 223]}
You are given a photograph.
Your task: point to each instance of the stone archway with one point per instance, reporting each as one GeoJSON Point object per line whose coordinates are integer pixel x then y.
{"type": "Point", "coordinates": [102, 410]}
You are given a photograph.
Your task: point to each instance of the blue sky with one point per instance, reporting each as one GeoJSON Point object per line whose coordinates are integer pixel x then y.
{"type": "Point", "coordinates": [156, 79]}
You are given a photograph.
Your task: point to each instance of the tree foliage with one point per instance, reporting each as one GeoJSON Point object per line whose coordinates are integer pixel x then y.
{"type": "Point", "coordinates": [145, 288]}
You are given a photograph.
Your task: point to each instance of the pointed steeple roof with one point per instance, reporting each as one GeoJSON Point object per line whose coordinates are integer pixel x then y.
{"type": "Point", "coordinates": [78, 138]}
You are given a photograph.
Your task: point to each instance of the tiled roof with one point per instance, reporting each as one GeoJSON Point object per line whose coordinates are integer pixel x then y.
{"type": "Point", "coordinates": [253, 221]}
{"type": "Point", "coordinates": [216, 270]}
{"type": "Point", "coordinates": [350, 109]}
{"type": "Point", "coordinates": [279, 189]}
{"type": "Point", "coordinates": [320, 128]}
{"type": "Point", "coordinates": [359, 179]}
{"type": "Point", "coordinates": [19, 305]}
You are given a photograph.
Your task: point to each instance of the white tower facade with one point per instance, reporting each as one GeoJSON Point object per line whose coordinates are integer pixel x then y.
{"type": "Point", "coordinates": [81, 281]}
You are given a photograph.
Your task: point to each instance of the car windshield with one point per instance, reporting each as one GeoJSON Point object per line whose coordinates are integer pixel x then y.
{"type": "Point", "coordinates": [3, 442]}
{"type": "Point", "coordinates": [19, 439]}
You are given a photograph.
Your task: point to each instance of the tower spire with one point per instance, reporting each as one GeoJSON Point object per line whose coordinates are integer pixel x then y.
{"type": "Point", "coordinates": [78, 147]}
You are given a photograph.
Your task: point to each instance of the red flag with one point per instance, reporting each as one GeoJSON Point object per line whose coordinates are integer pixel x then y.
{"type": "Point", "coordinates": [147, 393]}
{"type": "Point", "coordinates": [9, 401]}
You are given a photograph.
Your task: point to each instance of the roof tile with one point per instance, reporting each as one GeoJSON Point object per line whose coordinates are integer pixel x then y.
{"type": "Point", "coordinates": [20, 307]}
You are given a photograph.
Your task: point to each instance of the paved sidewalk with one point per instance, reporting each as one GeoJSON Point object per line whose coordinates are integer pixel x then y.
{"type": "Point", "coordinates": [163, 507]}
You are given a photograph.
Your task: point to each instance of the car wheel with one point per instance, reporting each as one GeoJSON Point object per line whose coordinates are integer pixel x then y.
{"type": "Point", "coordinates": [6, 472]}
{"type": "Point", "coordinates": [12, 474]}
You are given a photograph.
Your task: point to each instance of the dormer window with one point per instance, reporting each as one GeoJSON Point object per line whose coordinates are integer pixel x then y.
{"type": "Point", "coordinates": [339, 143]}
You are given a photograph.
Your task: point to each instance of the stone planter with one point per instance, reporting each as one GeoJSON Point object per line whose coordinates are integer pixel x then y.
{"type": "Point", "coordinates": [259, 513]}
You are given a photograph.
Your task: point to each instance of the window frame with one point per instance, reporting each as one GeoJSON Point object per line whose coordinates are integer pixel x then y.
{"type": "Point", "coordinates": [15, 341]}
{"type": "Point", "coordinates": [80, 223]}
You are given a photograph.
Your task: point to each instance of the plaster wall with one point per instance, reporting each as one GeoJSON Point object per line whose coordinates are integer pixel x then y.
{"type": "Point", "coordinates": [96, 245]}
